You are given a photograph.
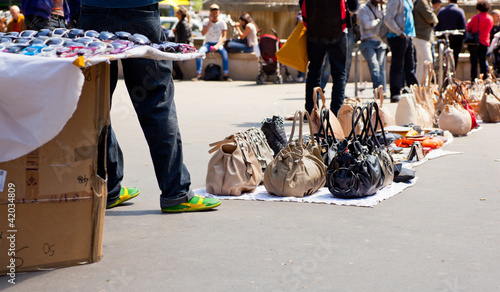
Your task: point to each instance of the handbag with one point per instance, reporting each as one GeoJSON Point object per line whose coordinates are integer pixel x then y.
{"type": "Point", "coordinates": [298, 169]}
{"type": "Point", "coordinates": [472, 38]}
{"type": "Point", "coordinates": [454, 117]}
{"type": "Point", "coordinates": [275, 133]}
{"type": "Point", "coordinates": [233, 169]}
{"type": "Point", "coordinates": [294, 51]}
{"type": "Point", "coordinates": [345, 115]}
{"type": "Point", "coordinates": [258, 143]}
{"type": "Point", "coordinates": [489, 107]}
{"type": "Point", "coordinates": [386, 116]}
{"type": "Point", "coordinates": [212, 72]}
{"type": "Point", "coordinates": [317, 122]}
{"type": "Point", "coordinates": [410, 111]}
{"type": "Point", "coordinates": [355, 171]}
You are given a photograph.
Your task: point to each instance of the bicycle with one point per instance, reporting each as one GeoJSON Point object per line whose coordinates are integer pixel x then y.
{"type": "Point", "coordinates": [446, 61]}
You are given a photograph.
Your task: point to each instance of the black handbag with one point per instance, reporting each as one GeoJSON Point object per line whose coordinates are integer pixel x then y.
{"type": "Point", "coordinates": [325, 137]}
{"type": "Point", "coordinates": [355, 171]}
{"type": "Point", "coordinates": [275, 133]}
{"type": "Point", "coordinates": [472, 38]}
{"type": "Point", "coordinates": [212, 72]}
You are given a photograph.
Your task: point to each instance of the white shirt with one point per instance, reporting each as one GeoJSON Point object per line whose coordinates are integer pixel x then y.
{"type": "Point", "coordinates": [214, 32]}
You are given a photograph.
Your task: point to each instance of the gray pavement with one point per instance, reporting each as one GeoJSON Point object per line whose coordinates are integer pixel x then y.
{"type": "Point", "coordinates": [440, 235]}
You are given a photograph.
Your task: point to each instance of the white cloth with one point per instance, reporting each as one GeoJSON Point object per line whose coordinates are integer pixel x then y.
{"type": "Point", "coordinates": [214, 32]}
{"type": "Point", "coordinates": [38, 95]}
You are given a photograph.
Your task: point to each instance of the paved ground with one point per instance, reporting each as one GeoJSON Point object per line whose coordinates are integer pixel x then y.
{"type": "Point", "coordinates": [440, 235]}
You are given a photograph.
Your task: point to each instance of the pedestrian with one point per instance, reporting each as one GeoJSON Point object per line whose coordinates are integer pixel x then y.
{"type": "Point", "coordinates": [372, 49]}
{"type": "Point", "coordinates": [481, 23]}
{"type": "Point", "coordinates": [247, 37]}
{"type": "Point", "coordinates": [425, 21]}
{"type": "Point", "coordinates": [399, 21]}
{"type": "Point", "coordinates": [449, 18]}
{"type": "Point", "coordinates": [151, 89]}
{"type": "Point", "coordinates": [182, 34]}
{"type": "Point", "coordinates": [17, 21]}
{"type": "Point", "coordinates": [325, 21]}
{"type": "Point", "coordinates": [215, 32]}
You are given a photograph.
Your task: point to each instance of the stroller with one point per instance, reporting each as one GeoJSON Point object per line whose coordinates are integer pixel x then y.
{"type": "Point", "coordinates": [268, 63]}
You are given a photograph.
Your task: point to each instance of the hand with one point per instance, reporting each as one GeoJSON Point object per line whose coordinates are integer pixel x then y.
{"type": "Point", "coordinates": [214, 48]}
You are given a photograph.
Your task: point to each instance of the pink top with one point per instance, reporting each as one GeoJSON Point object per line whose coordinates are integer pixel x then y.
{"type": "Point", "coordinates": [485, 24]}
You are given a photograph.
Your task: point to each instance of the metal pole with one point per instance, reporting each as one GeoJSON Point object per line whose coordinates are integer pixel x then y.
{"type": "Point", "coordinates": [356, 72]}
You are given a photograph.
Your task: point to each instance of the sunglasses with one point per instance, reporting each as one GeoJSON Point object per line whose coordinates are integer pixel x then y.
{"type": "Point", "coordinates": [107, 36]}
{"type": "Point", "coordinates": [54, 41]}
{"type": "Point", "coordinates": [123, 35]}
{"type": "Point", "coordinates": [44, 32]}
{"type": "Point", "coordinates": [91, 34]}
{"type": "Point", "coordinates": [60, 32]}
{"type": "Point", "coordinates": [28, 33]}
{"type": "Point", "coordinates": [139, 39]}
{"type": "Point", "coordinates": [48, 52]}
{"type": "Point", "coordinates": [76, 33]}
{"type": "Point", "coordinates": [32, 50]}
{"type": "Point", "coordinates": [22, 41]}
{"type": "Point", "coordinates": [84, 40]}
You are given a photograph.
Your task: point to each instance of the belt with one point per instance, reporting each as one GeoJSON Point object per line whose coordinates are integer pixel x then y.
{"type": "Point", "coordinates": [55, 16]}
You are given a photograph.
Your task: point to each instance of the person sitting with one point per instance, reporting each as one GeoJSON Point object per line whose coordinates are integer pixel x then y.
{"type": "Point", "coordinates": [215, 32]}
{"type": "Point", "coordinates": [248, 37]}
{"type": "Point", "coordinates": [17, 21]}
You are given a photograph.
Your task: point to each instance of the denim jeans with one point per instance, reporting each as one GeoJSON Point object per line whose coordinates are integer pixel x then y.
{"type": "Point", "coordinates": [239, 46]}
{"type": "Point", "coordinates": [478, 53]}
{"type": "Point", "coordinates": [374, 54]}
{"type": "Point", "coordinates": [222, 51]}
{"type": "Point", "coordinates": [402, 64]}
{"type": "Point", "coordinates": [151, 89]}
{"type": "Point", "coordinates": [316, 50]}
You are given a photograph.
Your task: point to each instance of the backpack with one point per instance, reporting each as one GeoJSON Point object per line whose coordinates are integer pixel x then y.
{"type": "Point", "coordinates": [212, 72]}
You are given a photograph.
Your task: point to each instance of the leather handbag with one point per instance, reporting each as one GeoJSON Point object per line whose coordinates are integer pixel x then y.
{"type": "Point", "coordinates": [317, 122]}
{"type": "Point", "coordinates": [345, 115]}
{"type": "Point", "coordinates": [410, 110]}
{"type": "Point", "coordinates": [233, 169]}
{"type": "Point", "coordinates": [298, 169]}
{"type": "Point", "coordinates": [355, 171]}
{"type": "Point", "coordinates": [489, 107]}
{"type": "Point", "coordinates": [258, 143]}
{"type": "Point", "coordinates": [454, 117]}
{"type": "Point", "coordinates": [386, 116]}
{"type": "Point", "coordinates": [294, 51]}
{"type": "Point", "coordinates": [275, 133]}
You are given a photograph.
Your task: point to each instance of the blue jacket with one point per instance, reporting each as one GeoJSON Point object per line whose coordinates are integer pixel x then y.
{"type": "Point", "coordinates": [450, 17]}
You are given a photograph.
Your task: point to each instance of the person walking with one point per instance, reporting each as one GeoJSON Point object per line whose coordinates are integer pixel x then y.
{"type": "Point", "coordinates": [151, 89]}
{"type": "Point", "coordinates": [481, 23]}
{"type": "Point", "coordinates": [215, 32]}
{"type": "Point", "coordinates": [399, 21]}
{"type": "Point", "coordinates": [425, 21]}
{"type": "Point", "coordinates": [449, 18]}
{"type": "Point", "coordinates": [372, 49]}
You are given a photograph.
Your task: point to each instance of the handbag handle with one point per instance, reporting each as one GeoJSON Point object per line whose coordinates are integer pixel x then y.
{"type": "Point", "coordinates": [300, 115]}
{"type": "Point", "coordinates": [317, 90]}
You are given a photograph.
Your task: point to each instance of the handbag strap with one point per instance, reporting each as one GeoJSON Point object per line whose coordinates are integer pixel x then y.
{"type": "Point", "coordinates": [316, 91]}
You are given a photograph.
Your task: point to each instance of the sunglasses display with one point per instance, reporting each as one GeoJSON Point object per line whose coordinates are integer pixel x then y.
{"type": "Point", "coordinates": [65, 43]}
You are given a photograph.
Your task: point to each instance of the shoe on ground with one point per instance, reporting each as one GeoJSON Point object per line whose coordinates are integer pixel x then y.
{"type": "Point", "coordinates": [227, 78]}
{"type": "Point", "coordinates": [300, 79]}
{"type": "Point", "coordinates": [395, 98]}
{"type": "Point", "coordinates": [125, 195]}
{"type": "Point", "coordinates": [197, 78]}
{"type": "Point", "coordinates": [197, 203]}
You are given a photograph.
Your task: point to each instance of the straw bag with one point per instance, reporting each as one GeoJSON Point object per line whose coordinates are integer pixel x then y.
{"type": "Point", "coordinates": [345, 115]}
{"type": "Point", "coordinates": [298, 170]}
{"type": "Point", "coordinates": [454, 117]}
{"type": "Point", "coordinates": [489, 107]}
{"type": "Point", "coordinates": [233, 169]}
{"type": "Point", "coordinates": [317, 122]}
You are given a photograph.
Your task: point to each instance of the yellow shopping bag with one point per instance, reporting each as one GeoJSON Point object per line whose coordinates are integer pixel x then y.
{"type": "Point", "coordinates": [294, 51]}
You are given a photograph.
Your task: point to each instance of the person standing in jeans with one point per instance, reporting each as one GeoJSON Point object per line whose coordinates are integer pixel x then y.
{"type": "Point", "coordinates": [399, 21]}
{"type": "Point", "coordinates": [151, 89]}
{"type": "Point", "coordinates": [326, 33]}
{"type": "Point", "coordinates": [50, 14]}
{"type": "Point", "coordinates": [372, 49]}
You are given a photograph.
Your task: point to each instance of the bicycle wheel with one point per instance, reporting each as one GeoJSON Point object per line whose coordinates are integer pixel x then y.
{"type": "Point", "coordinates": [450, 63]}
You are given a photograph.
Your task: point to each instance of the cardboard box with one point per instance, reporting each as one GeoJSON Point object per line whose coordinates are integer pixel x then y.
{"type": "Point", "coordinates": [52, 200]}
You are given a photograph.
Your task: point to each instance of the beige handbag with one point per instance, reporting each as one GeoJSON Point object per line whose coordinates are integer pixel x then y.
{"type": "Point", "coordinates": [298, 169]}
{"type": "Point", "coordinates": [316, 116]}
{"type": "Point", "coordinates": [489, 107]}
{"type": "Point", "coordinates": [410, 111]}
{"type": "Point", "coordinates": [385, 115]}
{"type": "Point", "coordinates": [233, 169]}
{"type": "Point", "coordinates": [345, 115]}
{"type": "Point", "coordinates": [454, 117]}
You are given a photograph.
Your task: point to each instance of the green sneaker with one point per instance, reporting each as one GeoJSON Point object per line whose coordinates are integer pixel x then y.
{"type": "Point", "coordinates": [125, 195]}
{"type": "Point", "coordinates": [197, 203]}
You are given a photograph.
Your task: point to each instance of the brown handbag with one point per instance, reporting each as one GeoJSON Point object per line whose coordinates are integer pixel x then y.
{"type": "Point", "coordinates": [454, 117]}
{"type": "Point", "coordinates": [233, 169]}
{"type": "Point", "coordinates": [298, 169]}
{"type": "Point", "coordinates": [316, 116]}
{"type": "Point", "coordinates": [345, 115]}
{"type": "Point", "coordinates": [386, 117]}
{"type": "Point", "coordinates": [489, 107]}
